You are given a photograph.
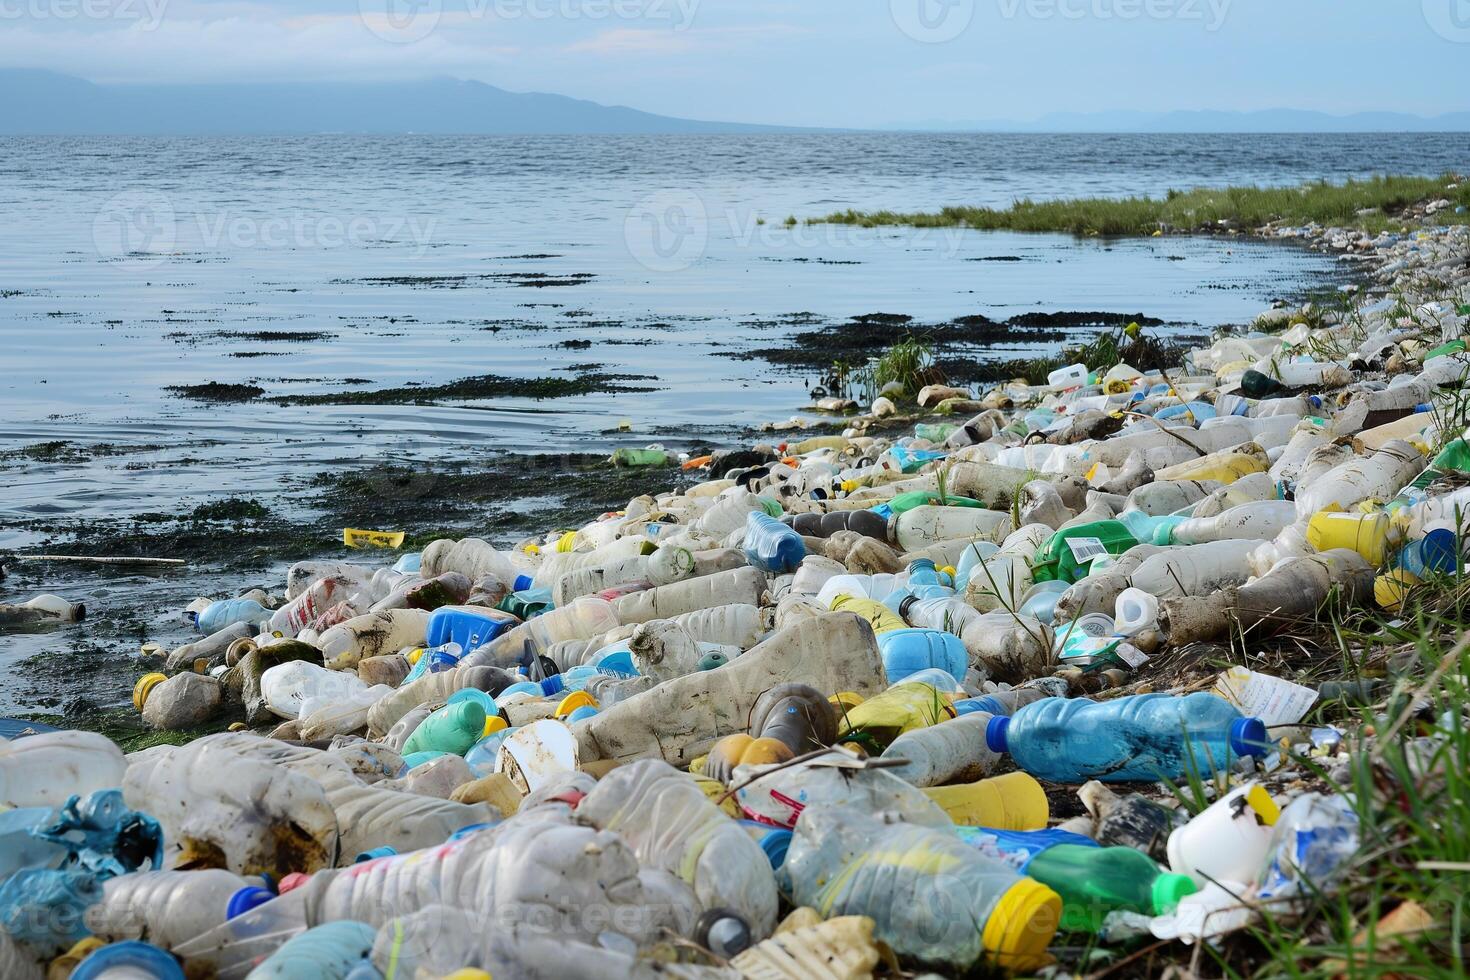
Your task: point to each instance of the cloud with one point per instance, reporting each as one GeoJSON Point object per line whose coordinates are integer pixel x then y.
{"type": "Point", "coordinates": [658, 41]}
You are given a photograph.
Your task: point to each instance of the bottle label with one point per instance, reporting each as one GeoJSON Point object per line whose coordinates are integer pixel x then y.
{"type": "Point", "coordinates": [1271, 699]}
{"type": "Point", "coordinates": [1085, 550]}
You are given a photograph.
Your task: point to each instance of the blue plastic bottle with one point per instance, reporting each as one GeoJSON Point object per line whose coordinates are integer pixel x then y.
{"type": "Point", "coordinates": [228, 612]}
{"type": "Point", "coordinates": [772, 546]}
{"type": "Point", "coordinates": [926, 582]}
{"type": "Point", "coordinates": [1146, 737]}
{"type": "Point", "coordinates": [909, 651]}
{"type": "Point", "coordinates": [435, 660]}
{"type": "Point", "coordinates": [328, 950]}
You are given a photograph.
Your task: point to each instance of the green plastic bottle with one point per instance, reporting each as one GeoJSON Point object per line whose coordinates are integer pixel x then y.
{"type": "Point", "coordinates": [1453, 458]}
{"type": "Point", "coordinates": [1059, 559]}
{"type": "Point", "coordinates": [1094, 881]}
{"type": "Point", "coordinates": [641, 457]}
{"type": "Point", "coordinates": [453, 728]}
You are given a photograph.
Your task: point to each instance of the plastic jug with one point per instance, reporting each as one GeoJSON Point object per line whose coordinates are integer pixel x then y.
{"type": "Point", "coordinates": [1144, 737]}
{"type": "Point", "coordinates": [48, 769]}
{"type": "Point", "coordinates": [468, 626]}
{"type": "Point", "coordinates": [1229, 840]}
{"type": "Point", "coordinates": [1367, 534]}
{"type": "Point", "coordinates": [930, 895]}
{"type": "Point", "coordinates": [287, 686]}
{"type": "Point", "coordinates": [904, 707]}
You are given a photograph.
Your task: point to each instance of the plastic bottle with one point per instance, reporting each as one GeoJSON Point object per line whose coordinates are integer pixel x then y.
{"type": "Point", "coordinates": [931, 896]}
{"type": "Point", "coordinates": [46, 770]}
{"type": "Point", "coordinates": [1260, 520]}
{"type": "Point", "coordinates": [453, 728]}
{"type": "Point", "coordinates": [303, 610]}
{"type": "Point", "coordinates": [1379, 476]}
{"type": "Point", "coordinates": [169, 907]}
{"type": "Point", "coordinates": [947, 752]}
{"type": "Point", "coordinates": [1094, 881]}
{"type": "Point", "coordinates": [902, 708]}
{"type": "Point", "coordinates": [372, 635]}
{"type": "Point", "coordinates": [129, 960]}
{"type": "Point", "coordinates": [217, 615]}
{"type": "Point", "coordinates": [1144, 737]}
{"type": "Point", "coordinates": [671, 824]}
{"type": "Point", "coordinates": [880, 617]}
{"type": "Point", "coordinates": [1370, 535]}
{"type": "Point", "coordinates": [1014, 801]}
{"type": "Point", "coordinates": [907, 651]}
{"type": "Point", "coordinates": [1229, 840]}
{"type": "Point", "coordinates": [1070, 376]}
{"type": "Point", "coordinates": [287, 686]}
{"type": "Point", "coordinates": [771, 546]}
{"type": "Point", "coordinates": [744, 586]}
{"type": "Point", "coordinates": [589, 616]}
{"type": "Point", "coordinates": [927, 525]}
{"type": "Point", "coordinates": [326, 952]}
{"type": "Point", "coordinates": [1197, 569]}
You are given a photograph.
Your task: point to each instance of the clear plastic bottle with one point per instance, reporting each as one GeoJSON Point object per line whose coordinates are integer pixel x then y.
{"type": "Point", "coordinates": [217, 615]}
{"type": "Point", "coordinates": [303, 610]}
{"type": "Point", "coordinates": [931, 896]}
{"type": "Point", "coordinates": [289, 685]}
{"type": "Point", "coordinates": [169, 907]}
{"type": "Point", "coordinates": [326, 952]}
{"type": "Point", "coordinates": [1144, 737]}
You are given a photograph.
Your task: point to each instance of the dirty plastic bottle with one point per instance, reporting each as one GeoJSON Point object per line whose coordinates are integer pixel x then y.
{"type": "Point", "coordinates": [42, 609]}
{"type": "Point", "coordinates": [1094, 881]}
{"type": "Point", "coordinates": [326, 952]}
{"type": "Point", "coordinates": [217, 615]}
{"type": "Point", "coordinates": [589, 616]}
{"type": "Point", "coordinates": [169, 907]}
{"type": "Point", "coordinates": [316, 599]}
{"type": "Point", "coordinates": [453, 728]}
{"type": "Point", "coordinates": [372, 635]}
{"type": "Point", "coordinates": [931, 896]}
{"type": "Point", "coordinates": [947, 752]}
{"type": "Point", "coordinates": [929, 524]}
{"type": "Point", "coordinates": [1260, 520]}
{"type": "Point", "coordinates": [771, 546]}
{"type": "Point", "coordinates": [671, 824]}
{"type": "Point", "coordinates": [902, 708]}
{"type": "Point", "coordinates": [741, 586]}
{"type": "Point", "coordinates": [46, 770]}
{"type": "Point", "coordinates": [1144, 737]}
{"type": "Point", "coordinates": [880, 617]}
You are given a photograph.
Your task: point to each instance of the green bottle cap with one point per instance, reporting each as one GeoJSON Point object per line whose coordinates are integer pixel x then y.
{"type": "Point", "coordinates": [1169, 890]}
{"type": "Point", "coordinates": [467, 716]}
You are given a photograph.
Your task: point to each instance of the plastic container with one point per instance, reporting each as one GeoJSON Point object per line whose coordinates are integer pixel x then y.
{"type": "Point", "coordinates": [927, 525]}
{"type": "Point", "coordinates": [227, 612]}
{"type": "Point", "coordinates": [1067, 554]}
{"type": "Point", "coordinates": [468, 626]}
{"type": "Point", "coordinates": [1071, 376]}
{"type": "Point", "coordinates": [1367, 534]}
{"type": "Point", "coordinates": [286, 687]}
{"type": "Point", "coordinates": [904, 707]}
{"type": "Point", "coordinates": [771, 546]}
{"type": "Point", "coordinates": [1014, 801]}
{"type": "Point", "coordinates": [453, 729]}
{"type": "Point", "coordinates": [169, 907]}
{"type": "Point", "coordinates": [1144, 737]}
{"type": "Point", "coordinates": [931, 896]}
{"type": "Point", "coordinates": [1093, 881]}
{"type": "Point", "coordinates": [945, 752]}
{"type": "Point", "coordinates": [316, 599]}
{"type": "Point", "coordinates": [907, 651]}
{"type": "Point", "coordinates": [1259, 520]}
{"type": "Point", "coordinates": [879, 617]}
{"type": "Point", "coordinates": [46, 770]}
{"type": "Point", "coordinates": [1229, 840]}
{"type": "Point", "coordinates": [373, 635]}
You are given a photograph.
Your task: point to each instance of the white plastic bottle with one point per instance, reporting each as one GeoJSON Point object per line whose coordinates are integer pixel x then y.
{"type": "Point", "coordinates": [1260, 520]}
{"type": "Point", "coordinates": [47, 769]}
{"type": "Point", "coordinates": [373, 635]}
{"type": "Point", "coordinates": [287, 686]}
{"type": "Point", "coordinates": [1196, 569]}
{"type": "Point", "coordinates": [743, 586]}
{"type": "Point", "coordinates": [585, 618]}
{"type": "Point", "coordinates": [926, 525]}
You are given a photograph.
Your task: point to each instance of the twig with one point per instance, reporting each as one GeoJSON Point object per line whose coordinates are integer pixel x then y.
{"type": "Point", "coordinates": [91, 560]}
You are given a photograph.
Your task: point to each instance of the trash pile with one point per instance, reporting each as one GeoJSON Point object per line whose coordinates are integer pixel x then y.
{"type": "Point", "coordinates": [811, 716]}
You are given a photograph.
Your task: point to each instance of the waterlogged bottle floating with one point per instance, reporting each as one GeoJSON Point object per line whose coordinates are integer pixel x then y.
{"type": "Point", "coordinates": [930, 895]}
{"type": "Point", "coordinates": [1145, 737]}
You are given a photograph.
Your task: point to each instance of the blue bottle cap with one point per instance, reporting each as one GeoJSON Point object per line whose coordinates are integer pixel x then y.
{"type": "Point", "coordinates": [246, 899]}
{"type": "Point", "coordinates": [617, 662]}
{"type": "Point", "coordinates": [775, 843]}
{"type": "Point", "coordinates": [131, 957]}
{"type": "Point", "coordinates": [554, 684]}
{"type": "Point", "coordinates": [522, 583]}
{"type": "Point", "coordinates": [374, 854]}
{"type": "Point", "coordinates": [582, 713]}
{"type": "Point", "coordinates": [1439, 551]}
{"type": "Point", "coordinates": [1248, 736]}
{"type": "Point", "coordinates": [995, 734]}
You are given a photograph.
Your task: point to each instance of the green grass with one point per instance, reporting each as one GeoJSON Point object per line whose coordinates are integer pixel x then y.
{"type": "Point", "coordinates": [1208, 209]}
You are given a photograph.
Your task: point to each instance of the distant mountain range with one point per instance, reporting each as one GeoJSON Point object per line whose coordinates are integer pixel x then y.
{"type": "Point", "coordinates": [47, 103]}
{"type": "Point", "coordinates": [1211, 121]}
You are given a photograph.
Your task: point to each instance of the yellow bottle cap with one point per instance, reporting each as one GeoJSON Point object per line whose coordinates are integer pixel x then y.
{"type": "Point", "coordinates": [1391, 589]}
{"type": "Point", "coordinates": [1022, 925]}
{"type": "Point", "coordinates": [145, 686]}
{"type": "Point", "coordinates": [493, 724]}
{"type": "Point", "coordinates": [566, 541]}
{"type": "Point", "coordinates": [468, 973]}
{"type": "Point", "coordinates": [846, 700]}
{"type": "Point", "coordinates": [573, 701]}
{"type": "Point", "coordinates": [1260, 801]}
{"type": "Point", "coordinates": [414, 655]}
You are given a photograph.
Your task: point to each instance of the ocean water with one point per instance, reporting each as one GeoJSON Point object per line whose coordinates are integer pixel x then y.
{"type": "Point", "coordinates": [328, 264]}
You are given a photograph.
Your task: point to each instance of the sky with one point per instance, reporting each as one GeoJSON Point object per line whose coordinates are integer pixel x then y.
{"type": "Point", "coordinates": [844, 63]}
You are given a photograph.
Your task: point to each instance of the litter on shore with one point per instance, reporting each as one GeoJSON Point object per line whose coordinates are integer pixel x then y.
{"type": "Point", "coordinates": [1004, 688]}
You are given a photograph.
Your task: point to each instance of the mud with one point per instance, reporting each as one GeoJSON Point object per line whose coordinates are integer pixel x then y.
{"type": "Point", "coordinates": [481, 386]}
{"type": "Point", "coordinates": [214, 391]}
